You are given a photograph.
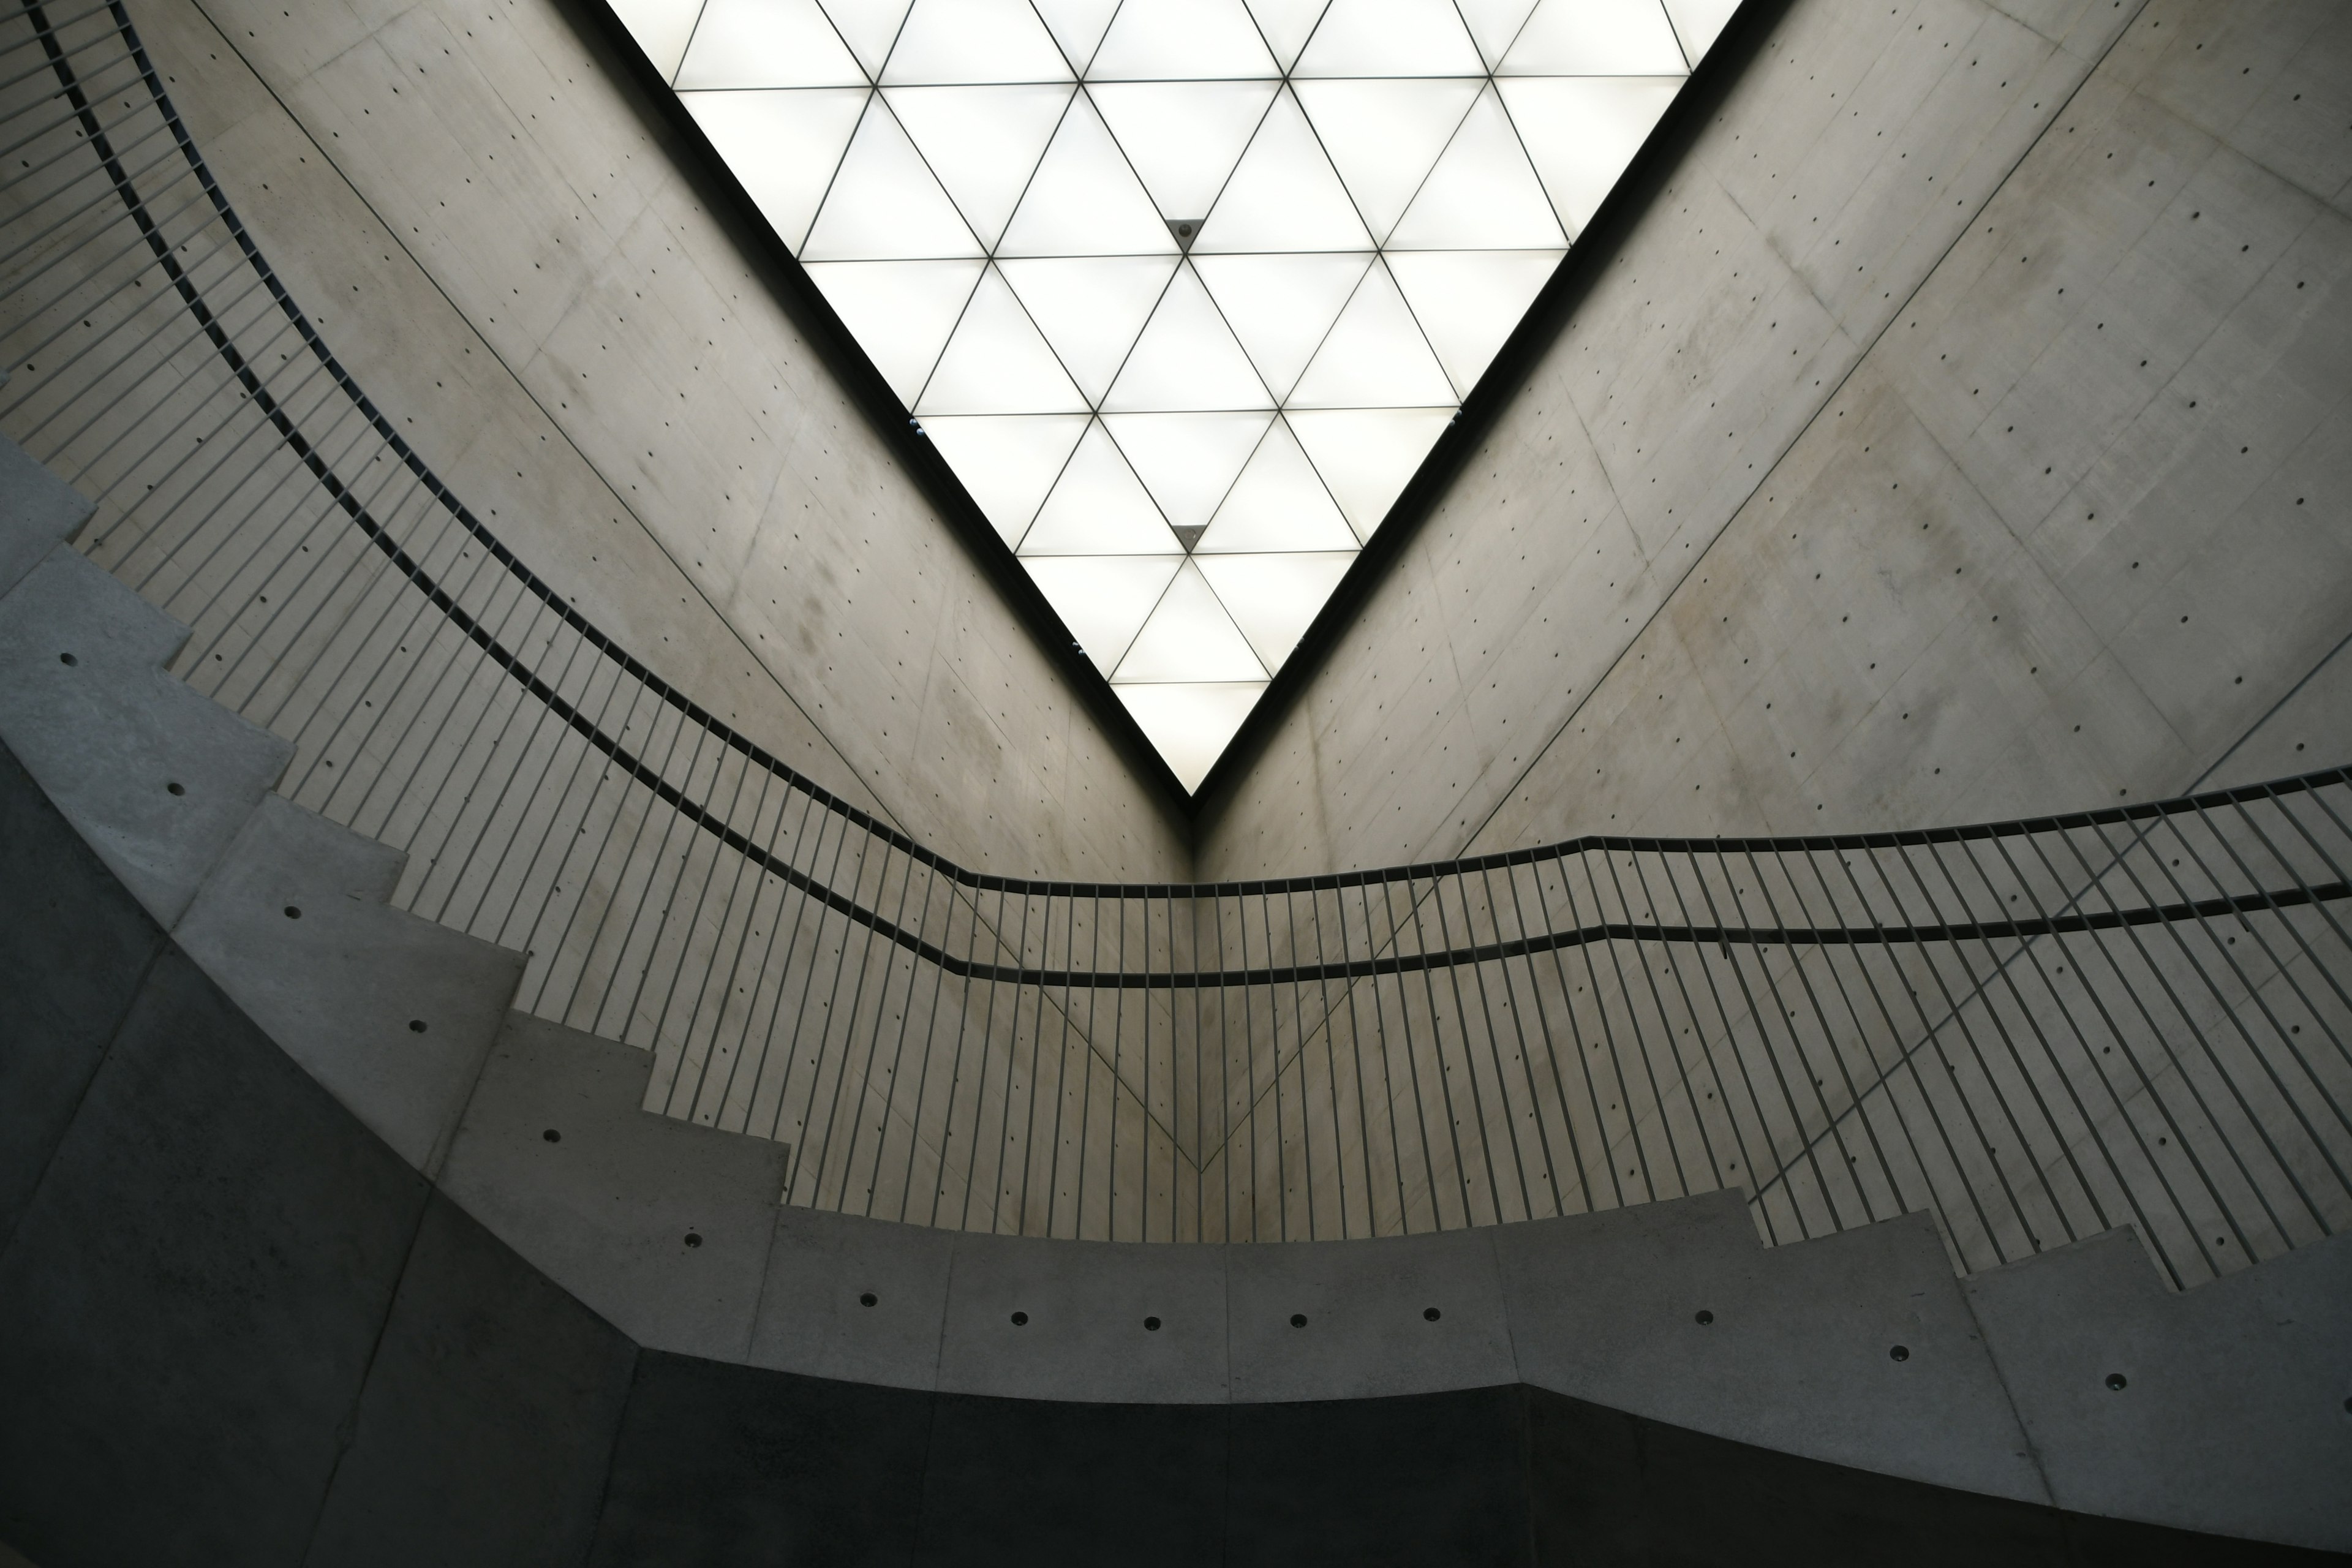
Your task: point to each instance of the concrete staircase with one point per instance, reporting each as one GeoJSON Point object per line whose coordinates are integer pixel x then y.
{"type": "Point", "coordinates": [2076, 1379]}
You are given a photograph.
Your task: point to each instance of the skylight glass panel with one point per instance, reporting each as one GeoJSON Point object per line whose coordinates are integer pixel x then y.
{"type": "Point", "coordinates": [766, 43]}
{"type": "Point", "coordinates": [1182, 291]}
{"type": "Point", "coordinates": [782, 145]}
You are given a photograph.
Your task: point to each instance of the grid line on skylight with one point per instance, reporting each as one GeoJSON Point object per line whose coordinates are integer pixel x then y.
{"type": "Point", "coordinates": [1184, 290]}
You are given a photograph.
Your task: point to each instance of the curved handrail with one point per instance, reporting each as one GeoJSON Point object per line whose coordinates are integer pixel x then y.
{"type": "Point", "coordinates": [1847, 1024]}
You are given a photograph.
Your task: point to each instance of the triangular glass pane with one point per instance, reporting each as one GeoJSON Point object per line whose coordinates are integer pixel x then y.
{"type": "Point", "coordinates": [1186, 360]}
{"type": "Point", "coordinates": [997, 363]}
{"type": "Point", "coordinates": [1099, 508]}
{"type": "Point", "coordinates": [1275, 598]}
{"type": "Point", "coordinates": [1494, 23]}
{"type": "Point", "coordinates": [962, 42]}
{"type": "Point", "coordinates": [1468, 302]}
{"type": "Point", "coordinates": [1482, 195]}
{"type": "Point", "coordinates": [884, 205]}
{"type": "Point", "coordinates": [1390, 38]}
{"type": "Point", "coordinates": [1188, 462]}
{"type": "Point", "coordinates": [782, 146]}
{"type": "Point", "coordinates": [1583, 131]}
{"type": "Point", "coordinates": [1285, 194]}
{"type": "Point", "coordinates": [1281, 307]}
{"type": "Point", "coordinates": [1698, 23]}
{"type": "Point", "coordinates": [1189, 638]}
{"type": "Point", "coordinates": [1384, 135]}
{"type": "Point", "coordinates": [1375, 356]}
{"type": "Point", "coordinates": [1189, 725]}
{"type": "Point", "coordinates": [766, 43]}
{"type": "Point", "coordinates": [1078, 25]}
{"type": "Point", "coordinates": [1596, 38]}
{"type": "Point", "coordinates": [1183, 137]}
{"type": "Point", "coordinates": [900, 311]}
{"type": "Point", "coordinates": [1279, 503]}
{"type": "Point", "coordinates": [981, 141]}
{"type": "Point", "coordinates": [1285, 25]}
{"type": "Point", "coordinates": [868, 26]}
{"type": "Point", "coordinates": [1103, 599]}
{"type": "Point", "coordinates": [661, 28]}
{"type": "Point", "coordinates": [1181, 40]}
{"type": "Point", "coordinates": [1007, 462]}
{"type": "Point", "coordinates": [1085, 200]}
{"type": "Point", "coordinates": [1091, 307]}
{"type": "Point", "coordinates": [1367, 456]}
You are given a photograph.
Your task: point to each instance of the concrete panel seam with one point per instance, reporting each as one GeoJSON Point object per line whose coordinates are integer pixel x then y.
{"type": "Point", "coordinates": [1862, 354]}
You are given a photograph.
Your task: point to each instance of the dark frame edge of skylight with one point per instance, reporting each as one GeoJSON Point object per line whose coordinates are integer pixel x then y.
{"type": "Point", "coordinates": [607, 37]}
{"type": "Point", "coordinates": [1703, 93]}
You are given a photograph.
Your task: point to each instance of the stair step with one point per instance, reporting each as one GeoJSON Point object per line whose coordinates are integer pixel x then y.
{"type": "Point", "coordinates": [392, 1014]}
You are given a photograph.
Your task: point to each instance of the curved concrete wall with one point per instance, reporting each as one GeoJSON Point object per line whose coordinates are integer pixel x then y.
{"type": "Point", "coordinates": [552, 317]}
{"type": "Point", "coordinates": [235, 1326]}
{"type": "Point", "coordinates": [1957, 433]}
{"type": "Point", "coordinates": [261, 1096]}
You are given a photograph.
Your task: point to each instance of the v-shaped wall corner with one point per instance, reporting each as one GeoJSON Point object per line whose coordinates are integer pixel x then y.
{"type": "Point", "coordinates": [1182, 291]}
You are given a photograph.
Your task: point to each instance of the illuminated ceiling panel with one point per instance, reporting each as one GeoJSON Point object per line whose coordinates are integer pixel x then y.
{"type": "Point", "coordinates": [1184, 290]}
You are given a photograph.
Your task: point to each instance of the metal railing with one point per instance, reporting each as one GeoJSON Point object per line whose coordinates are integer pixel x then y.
{"type": "Point", "coordinates": [2037, 1029]}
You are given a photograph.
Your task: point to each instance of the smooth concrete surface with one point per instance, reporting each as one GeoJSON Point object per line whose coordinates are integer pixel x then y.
{"type": "Point", "coordinates": [1133, 1322]}
{"type": "Point", "coordinates": [1367, 1334]}
{"type": "Point", "coordinates": [483, 222]}
{"type": "Point", "coordinates": [1959, 433]}
{"type": "Point", "coordinates": [2171, 1443]}
{"type": "Point", "coordinates": [189, 1305]}
{"type": "Point", "coordinates": [479, 1344]}
{"type": "Point", "coordinates": [391, 1011]}
{"type": "Point", "coordinates": [662, 1228]}
{"type": "Point", "coordinates": [233, 1326]}
{"type": "Point", "coordinates": [39, 512]}
{"type": "Point", "coordinates": [80, 946]}
{"type": "Point", "coordinates": [720, 1464]}
{"type": "Point", "coordinates": [814, 1317]}
{"type": "Point", "coordinates": [1797, 1348]}
{"type": "Point", "coordinates": [86, 707]}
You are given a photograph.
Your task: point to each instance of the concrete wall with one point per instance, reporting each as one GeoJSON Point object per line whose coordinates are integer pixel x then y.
{"type": "Point", "coordinates": [479, 215]}
{"type": "Point", "coordinates": [233, 1286]}
{"type": "Point", "coordinates": [1960, 433]}
{"type": "Point", "coordinates": [236, 1327]}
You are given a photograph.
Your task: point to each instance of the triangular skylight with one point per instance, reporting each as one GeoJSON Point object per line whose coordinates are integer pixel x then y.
{"type": "Point", "coordinates": [1184, 290]}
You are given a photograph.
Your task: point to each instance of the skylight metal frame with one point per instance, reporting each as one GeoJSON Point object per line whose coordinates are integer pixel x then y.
{"type": "Point", "coordinates": [1703, 87]}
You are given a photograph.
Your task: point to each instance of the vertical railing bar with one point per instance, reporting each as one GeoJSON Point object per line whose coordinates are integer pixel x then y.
{"type": "Point", "coordinates": [1616, 1055]}
{"type": "Point", "coordinates": [1952, 1011]}
{"type": "Point", "coordinates": [873, 1039]}
{"type": "Point", "coordinates": [1658, 1007]}
{"type": "Point", "coordinates": [2262, 1198]}
{"type": "Point", "coordinates": [1519, 1032]}
{"type": "Point", "coordinates": [1576, 1029]}
{"type": "Point", "coordinates": [2253, 994]}
{"type": "Point", "coordinates": [1857, 1097]}
{"type": "Point", "coordinates": [656, 864]}
{"type": "Point", "coordinates": [758, 985]}
{"type": "Point", "coordinates": [2286, 972]}
{"type": "Point", "coordinates": [1932, 1036]}
{"type": "Point", "coordinates": [2123, 1112]}
{"type": "Point", "coordinates": [1469, 1060]}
